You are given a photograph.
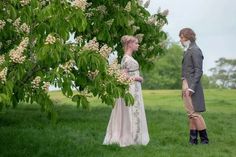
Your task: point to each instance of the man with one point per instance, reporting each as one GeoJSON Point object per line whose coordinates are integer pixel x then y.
{"type": "Point", "coordinates": [192, 91]}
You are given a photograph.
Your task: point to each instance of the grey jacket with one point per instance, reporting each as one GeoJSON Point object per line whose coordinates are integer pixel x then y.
{"type": "Point", "coordinates": [192, 72]}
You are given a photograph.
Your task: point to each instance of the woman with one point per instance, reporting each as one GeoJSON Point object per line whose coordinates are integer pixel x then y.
{"type": "Point", "coordinates": [127, 124]}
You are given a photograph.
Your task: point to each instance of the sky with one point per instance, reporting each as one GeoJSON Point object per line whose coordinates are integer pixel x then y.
{"type": "Point", "coordinates": [213, 21]}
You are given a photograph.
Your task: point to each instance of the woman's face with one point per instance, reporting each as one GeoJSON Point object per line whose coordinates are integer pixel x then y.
{"type": "Point", "coordinates": [134, 45]}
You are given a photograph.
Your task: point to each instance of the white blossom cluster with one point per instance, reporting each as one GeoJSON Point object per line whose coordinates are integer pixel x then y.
{"type": "Point", "coordinates": [3, 75]}
{"type": "Point", "coordinates": [135, 28]}
{"type": "Point", "coordinates": [152, 20]}
{"type": "Point", "coordinates": [36, 82]}
{"type": "Point", "coordinates": [24, 2]}
{"type": "Point", "coordinates": [115, 70]}
{"type": "Point", "coordinates": [140, 2]}
{"type": "Point", "coordinates": [9, 20]}
{"type": "Point", "coordinates": [2, 59]}
{"type": "Point", "coordinates": [23, 28]}
{"type": "Point", "coordinates": [139, 37]}
{"type": "Point", "coordinates": [93, 74]}
{"type": "Point", "coordinates": [50, 39]}
{"type": "Point", "coordinates": [44, 2]}
{"type": "Point", "coordinates": [146, 4]}
{"type": "Point", "coordinates": [102, 9]}
{"type": "Point", "coordinates": [45, 86]}
{"type": "Point", "coordinates": [92, 45]}
{"type": "Point", "coordinates": [88, 15]}
{"type": "Point", "coordinates": [79, 4]}
{"type": "Point", "coordinates": [2, 24]}
{"type": "Point", "coordinates": [73, 47]}
{"type": "Point", "coordinates": [114, 67]}
{"type": "Point", "coordinates": [16, 23]}
{"type": "Point", "coordinates": [16, 55]}
{"type": "Point", "coordinates": [165, 12]}
{"type": "Point", "coordinates": [123, 78]}
{"type": "Point", "coordinates": [131, 22]}
{"type": "Point", "coordinates": [128, 7]}
{"type": "Point", "coordinates": [105, 51]}
{"type": "Point", "coordinates": [79, 39]}
{"type": "Point", "coordinates": [67, 67]}
{"type": "Point", "coordinates": [110, 22]}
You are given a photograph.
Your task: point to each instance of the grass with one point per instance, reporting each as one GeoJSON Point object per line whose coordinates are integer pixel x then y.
{"type": "Point", "coordinates": [25, 131]}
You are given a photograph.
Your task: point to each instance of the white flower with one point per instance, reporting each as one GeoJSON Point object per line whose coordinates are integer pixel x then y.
{"type": "Point", "coordinates": [16, 55]}
{"type": "Point", "coordinates": [80, 4]}
{"type": "Point", "coordinates": [2, 24]}
{"type": "Point", "coordinates": [140, 2]}
{"type": "Point", "coordinates": [36, 82]}
{"type": "Point", "coordinates": [25, 28]}
{"type": "Point", "coordinates": [135, 28]}
{"type": "Point", "coordinates": [139, 37]}
{"type": "Point", "coordinates": [50, 39]}
{"type": "Point", "coordinates": [79, 39]}
{"type": "Point", "coordinates": [9, 20]}
{"type": "Point", "coordinates": [130, 22]}
{"type": "Point", "coordinates": [115, 70]}
{"type": "Point", "coordinates": [16, 23]}
{"type": "Point", "coordinates": [92, 74]}
{"type": "Point", "coordinates": [92, 45]}
{"type": "Point", "coordinates": [110, 22]}
{"type": "Point", "coordinates": [152, 20]}
{"type": "Point", "coordinates": [67, 67]}
{"type": "Point", "coordinates": [151, 48]}
{"type": "Point", "coordinates": [24, 43]}
{"type": "Point", "coordinates": [24, 2]}
{"type": "Point", "coordinates": [105, 51]}
{"type": "Point", "coordinates": [146, 4]}
{"type": "Point", "coordinates": [2, 59]}
{"type": "Point", "coordinates": [3, 75]}
{"type": "Point", "coordinates": [45, 86]}
{"type": "Point", "coordinates": [102, 9]}
{"type": "Point", "coordinates": [128, 7]}
{"type": "Point", "coordinates": [165, 12]}
{"type": "Point", "coordinates": [88, 15]}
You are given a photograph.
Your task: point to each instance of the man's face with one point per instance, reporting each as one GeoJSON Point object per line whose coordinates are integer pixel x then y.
{"type": "Point", "coordinates": [182, 39]}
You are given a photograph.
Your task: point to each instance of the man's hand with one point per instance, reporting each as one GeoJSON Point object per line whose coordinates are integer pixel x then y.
{"type": "Point", "coordinates": [187, 93]}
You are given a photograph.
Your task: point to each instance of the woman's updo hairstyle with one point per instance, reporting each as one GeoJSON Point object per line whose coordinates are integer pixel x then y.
{"type": "Point", "coordinates": [126, 39]}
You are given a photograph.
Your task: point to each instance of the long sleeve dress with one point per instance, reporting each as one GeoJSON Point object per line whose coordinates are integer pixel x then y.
{"type": "Point", "coordinates": [127, 124]}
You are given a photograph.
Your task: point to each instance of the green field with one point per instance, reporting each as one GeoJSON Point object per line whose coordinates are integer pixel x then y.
{"type": "Point", "coordinates": [26, 131]}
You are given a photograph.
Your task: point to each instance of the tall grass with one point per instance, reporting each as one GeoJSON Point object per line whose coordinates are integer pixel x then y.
{"type": "Point", "coordinates": [25, 131]}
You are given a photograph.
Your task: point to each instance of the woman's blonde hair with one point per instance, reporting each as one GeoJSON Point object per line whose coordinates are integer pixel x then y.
{"type": "Point", "coordinates": [126, 39]}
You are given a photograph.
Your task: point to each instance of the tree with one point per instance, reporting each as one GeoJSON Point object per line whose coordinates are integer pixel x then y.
{"type": "Point", "coordinates": [224, 74]}
{"type": "Point", "coordinates": [35, 52]}
{"type": "Point", "coordinates": [166, 72]}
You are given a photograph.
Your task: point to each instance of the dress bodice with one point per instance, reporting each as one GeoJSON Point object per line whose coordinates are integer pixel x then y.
{"type": "Point", "coordinates": [132, 66]}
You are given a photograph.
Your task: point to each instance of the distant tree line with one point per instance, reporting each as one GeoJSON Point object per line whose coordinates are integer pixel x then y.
{"type": "Point", "coordinates": [166, 72]}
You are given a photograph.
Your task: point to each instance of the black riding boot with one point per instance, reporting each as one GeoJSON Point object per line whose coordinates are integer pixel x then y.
{"type": "Point", "coordinates": [193, 137]}
{"type": "Point", "coordinates": [203, 137]}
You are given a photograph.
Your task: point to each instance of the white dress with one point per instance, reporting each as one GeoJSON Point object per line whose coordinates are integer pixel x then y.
{"type": "Point", "coordinates": [127, 124]}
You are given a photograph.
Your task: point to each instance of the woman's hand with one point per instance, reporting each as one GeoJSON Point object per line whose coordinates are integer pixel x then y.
{"type": "Point", "coordinates": [139, 78]}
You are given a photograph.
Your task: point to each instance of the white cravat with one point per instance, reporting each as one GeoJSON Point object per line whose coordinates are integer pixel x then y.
{"type": "Point", "coordinates": [186, 44]}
